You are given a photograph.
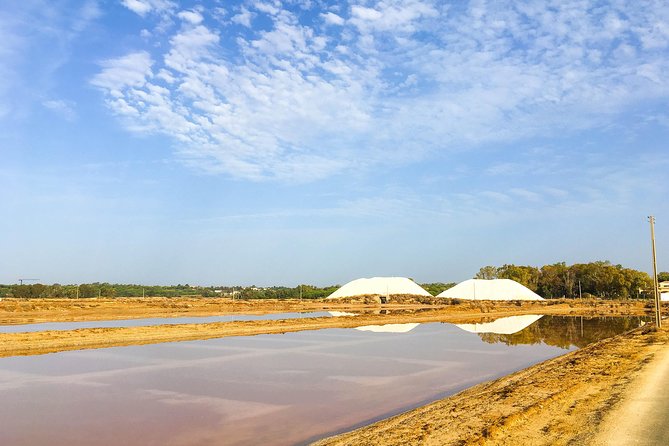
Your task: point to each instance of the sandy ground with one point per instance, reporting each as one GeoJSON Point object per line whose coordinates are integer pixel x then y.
{"type": "Point", "coordinates": [645, 408]}
{"type": "Point", "coordinates": [24, 311]}
{"type": "Point", "coordinates": [558, 402]}
{"type": "Point", "coordinates": [561, 401]}
{"type": "Point", "coordinates": [12, 344]}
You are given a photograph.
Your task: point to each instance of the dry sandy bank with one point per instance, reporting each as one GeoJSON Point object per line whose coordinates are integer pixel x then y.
{"type": "Point", "coordinates": [558, 402]}
{"type": "Point", "coordinates": [12, 344]}
{"type": "Point", "coordinates": [24, 311]}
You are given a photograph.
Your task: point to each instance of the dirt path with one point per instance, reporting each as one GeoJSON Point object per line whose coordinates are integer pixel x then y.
{"type": "Point", "coordinates": [642, 416]}
{"type": "Point", "coordinates": [558, 402]}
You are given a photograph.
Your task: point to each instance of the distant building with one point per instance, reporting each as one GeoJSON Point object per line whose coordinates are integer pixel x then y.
{"type": "Point", "coordinates": [664, 290]}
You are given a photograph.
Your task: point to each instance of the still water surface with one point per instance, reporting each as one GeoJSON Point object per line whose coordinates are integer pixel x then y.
{"type": "Point", "coordinates": [157, 321]}
{"type": "Point", "coordinates": [268, 389]}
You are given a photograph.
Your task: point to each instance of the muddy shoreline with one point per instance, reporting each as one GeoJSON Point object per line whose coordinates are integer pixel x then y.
{"type": "Point", "coordinates": [35, 343]}
{"type": "Point", "coordinates": [25, 311]}
{"type": "Point", "coordinates": [558, 402]}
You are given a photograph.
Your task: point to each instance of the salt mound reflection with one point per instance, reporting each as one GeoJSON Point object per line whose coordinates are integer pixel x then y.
{"type": "Point", "coordinates": [388, 328]}
{"type": "Point", "coordinates": [504, 325]}
{"type": "Point", "coordinates": [341, 313]}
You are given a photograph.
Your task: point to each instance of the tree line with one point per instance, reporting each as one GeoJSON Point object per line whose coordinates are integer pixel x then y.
{"type": "Point", "coordinates": [596, 279]}
{"type": "Point", "coordinates": [89, 290]}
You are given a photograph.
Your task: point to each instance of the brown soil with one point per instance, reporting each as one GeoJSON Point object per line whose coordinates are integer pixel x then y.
{"type": "Point", "coordinates": [558, 402]}
{"type": "Point", "coordinates": [24, 311]}
{"type": "Point", "coordinates": [12, 344]}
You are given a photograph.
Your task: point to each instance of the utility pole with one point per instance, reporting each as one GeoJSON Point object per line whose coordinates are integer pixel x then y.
{"type": "Point", "coordinates": [658, 315]}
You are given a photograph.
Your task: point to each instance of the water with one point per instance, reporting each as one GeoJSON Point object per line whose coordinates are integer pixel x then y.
{"type": "Point", "coordinates": [157, 321]}
{"type": "Point", "coordinates": [268, 389]}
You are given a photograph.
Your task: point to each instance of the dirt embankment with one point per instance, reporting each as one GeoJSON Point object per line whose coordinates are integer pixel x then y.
{"type": "Point", "coordinates": [12, 344]}
{"type": "Point", "coordinates": [558, 402]}
{"type": "Point", "coordinates": [24, 311]}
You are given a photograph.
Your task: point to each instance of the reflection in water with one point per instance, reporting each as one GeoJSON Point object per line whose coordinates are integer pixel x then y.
{"type": "Point", "coordinates": [567, 331]}
{"type": "Point", "coordinates": [388, 328]}
{"type": "Point", "coordinates": [341, 313]}
{"type": "Point", "coordinates": [267, 389]}
{"type": "Point", "coordinates": [503, 325]}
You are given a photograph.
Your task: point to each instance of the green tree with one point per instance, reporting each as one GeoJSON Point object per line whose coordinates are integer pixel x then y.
{"type": "Point", "coordinates": [87, 291]}
{"type": "Point", "coordinates": [525, 275]}
{"type": "Point", "coordinates": [437, 287]}
{"type": "Point", "coordinates": [106, 290]}
{"type": "Point", "coordinates": [487, 272]}
{"type": "Point", "coordinates": [555, 280]}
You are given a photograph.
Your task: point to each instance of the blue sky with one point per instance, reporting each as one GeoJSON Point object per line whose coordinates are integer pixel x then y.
{"type": "Point", "coordinates": [286, 142]}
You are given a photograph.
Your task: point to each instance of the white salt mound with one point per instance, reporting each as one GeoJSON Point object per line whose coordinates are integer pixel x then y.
{"type": "Point", "coordinates": [496, 289]}
{"type": "Point", "coordinates": [380, 286]}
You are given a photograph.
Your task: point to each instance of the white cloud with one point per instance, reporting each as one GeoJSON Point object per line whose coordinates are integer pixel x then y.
{"type": "Point", "coordinates": [118, 74]}
{"type": "Point", "coordinates": [396, 16]}
{"type": "Point", "coordinates": [243, 18]}
{"type": "Point", "coordinates": [332, 18]}
{"type": "Point", "coordinates": [143, 7]}
{"type": "Point", "coordinates": [137, 6]}
{"type": "Point", "coordinates": [61, 107]}
{"type": "Point", "coordinates": [193, 17]}
{"type": "Point", "coordinates": [36, 38]}
{"type": "Point", "coordinates": [396, 80]}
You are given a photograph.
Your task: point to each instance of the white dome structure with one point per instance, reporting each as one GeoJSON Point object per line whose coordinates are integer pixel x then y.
{"type": "Point", "coordinates": [497, 289]}
{"type": "Point", "coordinates": [380, 286]}
{"type": "Point", "coordinates": [503, 325]}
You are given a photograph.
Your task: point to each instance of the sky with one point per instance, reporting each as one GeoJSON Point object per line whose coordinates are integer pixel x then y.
{"type": "Point", "coordinates": [270, 142]}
